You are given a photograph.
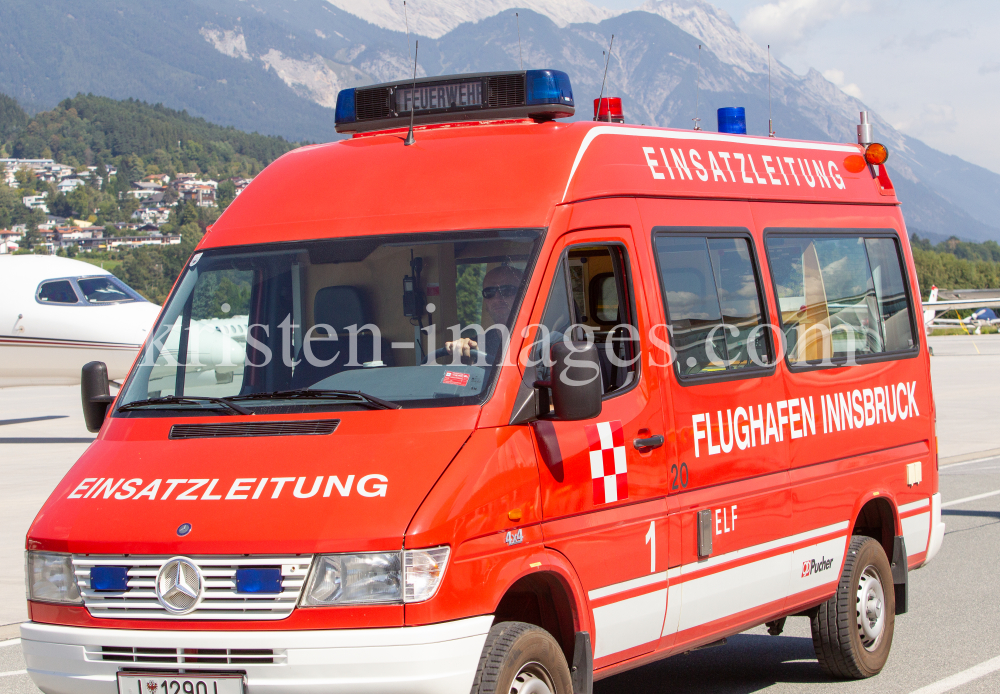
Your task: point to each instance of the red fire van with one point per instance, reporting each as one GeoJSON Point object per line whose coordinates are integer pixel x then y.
{"type": "Point", "coordinates": [518, 406]}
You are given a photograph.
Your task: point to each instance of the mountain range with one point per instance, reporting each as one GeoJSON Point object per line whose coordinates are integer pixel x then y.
{"type": "Point", "coordinates": [275, 67]}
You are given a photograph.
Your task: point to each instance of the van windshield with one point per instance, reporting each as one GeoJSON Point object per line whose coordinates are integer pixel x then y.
{"type": "Point", "coordinates": [339, 323]}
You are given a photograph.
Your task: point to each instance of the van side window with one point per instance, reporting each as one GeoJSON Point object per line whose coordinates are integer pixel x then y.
{"type": "Point", "coordinates": [713, 303]}
{"type": "Point", "coordinates": [839, 296]}
{"type": "Point", "coordinates": [590, 291]}
{"type": "Point", "coordinates": [890, 291]}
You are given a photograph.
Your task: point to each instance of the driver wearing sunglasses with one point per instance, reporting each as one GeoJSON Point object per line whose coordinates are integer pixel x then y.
{"type": "Point", "coordinates": [500, 287]}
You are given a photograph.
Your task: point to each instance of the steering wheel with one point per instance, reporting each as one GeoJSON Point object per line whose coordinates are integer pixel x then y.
{"type": "Point", "coordinates": [472, 358]}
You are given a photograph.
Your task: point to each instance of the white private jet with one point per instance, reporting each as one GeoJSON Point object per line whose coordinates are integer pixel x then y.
{"type": "Point", "coordinates": [934, 307]}
{"type": "Point", "coordinates": [57, 314]}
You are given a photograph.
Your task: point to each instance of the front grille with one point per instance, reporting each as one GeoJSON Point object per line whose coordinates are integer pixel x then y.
{"type": "Point", "coordinates": [244, 429]}
{"type": "Point", "coordinates": [219, 599]}
{"type": "Point", "coordinates": [190, 656]}
{"type": "Point", "coordinates": [505, 90]}
{"type": "Point", "coordinates": [372, 103]}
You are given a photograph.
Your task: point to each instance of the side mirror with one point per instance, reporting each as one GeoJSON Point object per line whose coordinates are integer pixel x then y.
{"type": "Point", "coordinates": [95, 393]}
{"type": "Point", "coordinates": [576, 381]}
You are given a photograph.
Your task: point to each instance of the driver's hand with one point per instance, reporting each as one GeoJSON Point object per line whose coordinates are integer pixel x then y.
{"type": "Point", "coordinates": [464, 345]}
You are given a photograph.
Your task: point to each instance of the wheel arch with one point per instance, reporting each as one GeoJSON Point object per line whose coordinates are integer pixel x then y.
{"type": "Point", "coordinates": [878, 519]}
{"type": "Point", "coordinates": [546, 599]}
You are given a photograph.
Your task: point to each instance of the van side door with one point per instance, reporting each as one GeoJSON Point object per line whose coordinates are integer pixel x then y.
{"type": "Point", "coordinates": [729, 417]}
{"type": "Point", "coordinates": [602, 479]}
{"type": "Point", "coordinates": [850, 320]}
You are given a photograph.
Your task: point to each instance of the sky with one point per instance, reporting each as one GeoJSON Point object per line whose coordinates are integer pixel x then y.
{"type": "Point", "coordinates": [931, 68]}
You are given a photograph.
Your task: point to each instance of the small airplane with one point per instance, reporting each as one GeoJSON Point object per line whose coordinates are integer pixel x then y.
{"type": "Point", "coordinates": [57, 314]}
{"type": "Point", "coordinates": [985, 316]}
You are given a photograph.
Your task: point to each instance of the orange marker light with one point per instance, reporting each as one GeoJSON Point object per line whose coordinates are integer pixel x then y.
{"type": "Point", "coordinates": [876, 153]}
{"type": "Point", "coordinates": [514, 514]}
{"type": "Point", "coordinates": [855, 163]}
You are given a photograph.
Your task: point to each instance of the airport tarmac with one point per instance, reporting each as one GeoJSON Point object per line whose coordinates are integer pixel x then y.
{"type": "Point", "coordinates": [948, 642]}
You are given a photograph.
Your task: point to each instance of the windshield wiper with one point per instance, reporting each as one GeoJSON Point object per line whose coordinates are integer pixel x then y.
{"type": "Point", "coordinates": [309, 393]}
{"type": "Point", "coordinates": [175, 400]}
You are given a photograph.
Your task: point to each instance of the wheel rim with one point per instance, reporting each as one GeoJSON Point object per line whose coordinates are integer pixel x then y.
{"type": "Point", "coordinates": [870, 609]}
{"type": "Point", "coordinates": [532, 678]}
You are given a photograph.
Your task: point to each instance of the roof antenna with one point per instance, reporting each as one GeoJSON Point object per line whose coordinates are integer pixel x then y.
{"type": "Point", "coordinates": [409, 53]}
{"type": "Point", "coordinates": [600, 99]}
{"type": "Point", "coordinates": [413, 97]}
{"type": "Point", "coordinates": [770, 126]}
{"type": "Point", "coordinates": [519, 61]}
{"type": "Point", "coordinates": [696, 119]}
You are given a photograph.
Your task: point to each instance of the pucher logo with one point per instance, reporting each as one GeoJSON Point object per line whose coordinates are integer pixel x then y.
{"type": "Point", "coordinates": [812, 566]}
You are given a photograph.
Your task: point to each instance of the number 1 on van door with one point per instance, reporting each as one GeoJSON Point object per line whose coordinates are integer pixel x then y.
{"type": "Point", "coordinates": [651, 541]}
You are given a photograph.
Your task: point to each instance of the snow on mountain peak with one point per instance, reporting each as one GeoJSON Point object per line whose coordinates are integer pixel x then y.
{"type": "Point", "coordinates": [715, 28]}
{"type": "Point", "coordinates": [435, 18]}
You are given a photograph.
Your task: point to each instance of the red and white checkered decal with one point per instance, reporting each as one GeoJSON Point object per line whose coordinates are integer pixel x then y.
{"type": "Point", "coordinates": [608, 467]}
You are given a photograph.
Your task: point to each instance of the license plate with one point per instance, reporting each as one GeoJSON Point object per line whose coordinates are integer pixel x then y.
{"type": "Point", "coordinates": [173, 683]}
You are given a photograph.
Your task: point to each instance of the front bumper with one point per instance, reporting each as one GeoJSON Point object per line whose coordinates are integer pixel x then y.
{"type": "Point", "coordinates": [434, 659]}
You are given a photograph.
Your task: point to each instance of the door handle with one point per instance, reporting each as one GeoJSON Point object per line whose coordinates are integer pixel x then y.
{"type": "Point", "coordinates": [648, 443]}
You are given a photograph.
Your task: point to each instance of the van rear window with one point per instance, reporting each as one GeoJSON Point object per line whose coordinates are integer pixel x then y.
{"type": "Point", "coordinates": [840, 297]}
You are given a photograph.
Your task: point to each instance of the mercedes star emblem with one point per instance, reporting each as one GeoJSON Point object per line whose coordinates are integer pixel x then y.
{"type": "Point", "coordinates": [179, 585]}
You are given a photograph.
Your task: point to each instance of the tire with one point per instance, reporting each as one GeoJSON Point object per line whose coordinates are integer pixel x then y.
{"type": "Point", "coordinates": [852, 631]}
{"type": "Point", "coordinates": [521, 658]}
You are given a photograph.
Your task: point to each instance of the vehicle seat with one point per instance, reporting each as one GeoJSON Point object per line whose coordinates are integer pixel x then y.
{"type": "Point", "coordinates": [339, 307]}
{"type": "Point", "coordinates": [613, 377]}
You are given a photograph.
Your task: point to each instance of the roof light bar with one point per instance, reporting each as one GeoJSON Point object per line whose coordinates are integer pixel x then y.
{"type": "Point", "coordinates": [538, 94]}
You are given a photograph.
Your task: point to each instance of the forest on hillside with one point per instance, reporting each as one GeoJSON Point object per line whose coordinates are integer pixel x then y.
{"type": "Point", "coordinates": [956, 264]}
{"type": "Point", "coordinates": [132, 139]}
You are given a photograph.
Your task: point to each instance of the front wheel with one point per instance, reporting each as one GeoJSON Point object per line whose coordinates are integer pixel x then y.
{"type": "Point", "coordinates": [852, 631]}
{"type": "Point", "coordinates": [521, 658]}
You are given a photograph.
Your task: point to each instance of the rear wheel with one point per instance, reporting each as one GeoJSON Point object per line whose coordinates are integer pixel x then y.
{"type": "Point", "coordinates": [852, 631]}
{"type": "Point", "coordinates": [521, 658]}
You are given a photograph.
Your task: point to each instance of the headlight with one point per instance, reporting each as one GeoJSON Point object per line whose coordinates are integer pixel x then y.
{"type": "Point", "coordinates": [355, 579]}
{"type": "Point", "coordinates": [375, 578]}
{"type": "Point", "coordinates": [50, 578]}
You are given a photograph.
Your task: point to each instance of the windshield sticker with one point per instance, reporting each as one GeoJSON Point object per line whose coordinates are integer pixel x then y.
{"type": "Point", "coordinates": [455, 378]}
{"type": "Point", "coordinates": [241, 488]}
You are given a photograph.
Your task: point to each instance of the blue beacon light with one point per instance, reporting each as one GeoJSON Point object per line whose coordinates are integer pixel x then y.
{"type": "Point", "coordinates": [547, 87]}
{"type": "Point", "coordinates": [345, 112]}
{"type": "Point", "coordinates": [109, 578]}
{"type": "Point", "coordinates": [733, 120]}
{"type": "Point", "coordinates": [258, 580]}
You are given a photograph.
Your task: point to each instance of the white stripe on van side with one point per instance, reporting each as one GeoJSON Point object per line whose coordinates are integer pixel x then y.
{"type": "Point", "coordinates": [627, 585]}
{"type": "Point", "coordinates": [763, 547]}
{"type": "Point", "coordinates": [632, 622]}
{"type": "Point", "coordinates": [906, 508]}
{"type": "Point", "coordinates": [678, 571]}
{"type": "Point", "coordinates": [745, 587]}
{"type": "Point", "coordinates": [702, 136]}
